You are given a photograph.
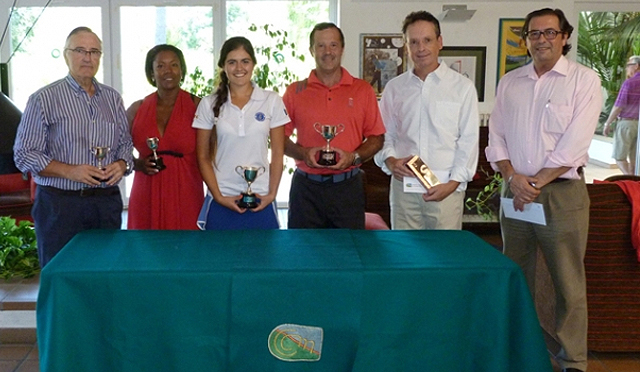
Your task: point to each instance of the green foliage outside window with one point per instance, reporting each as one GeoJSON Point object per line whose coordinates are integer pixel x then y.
{"type": "Point", "coordinates": [271, 72]}
{"type": "Point", "coordinates": [606, 40]}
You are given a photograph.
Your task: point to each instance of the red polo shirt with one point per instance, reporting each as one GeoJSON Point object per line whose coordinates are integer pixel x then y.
{"type": "Point", "coordinates": [352, 102]}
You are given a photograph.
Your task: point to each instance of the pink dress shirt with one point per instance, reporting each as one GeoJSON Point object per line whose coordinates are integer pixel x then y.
{"type": "Point", "coordinates": [546, 121]}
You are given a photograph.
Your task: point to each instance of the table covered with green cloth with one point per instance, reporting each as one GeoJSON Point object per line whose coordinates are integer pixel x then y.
{"type": "Point", "coordinates": [285, 300]}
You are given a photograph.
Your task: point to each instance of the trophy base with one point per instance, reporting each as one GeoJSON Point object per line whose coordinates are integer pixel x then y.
{"type": "Point", "coordinates": [248, 201]}
{"type": "Point", "coordinates": [327, 158]}
{"type": "Point", "coordinates": [100, 179]}
{"type": "Point", "coordinates": [159, 164]}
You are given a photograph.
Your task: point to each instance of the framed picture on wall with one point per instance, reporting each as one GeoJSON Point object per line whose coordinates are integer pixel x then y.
{"type": "Point", "coordinates": [382, 57]}
{"type": "Point", "coordinates": [512, 50]}
{"type": "Point", "coordinates": [470, 62]}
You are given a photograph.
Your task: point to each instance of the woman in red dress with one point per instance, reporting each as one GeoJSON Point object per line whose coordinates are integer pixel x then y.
{"type": "Point", "coordinates": [168, 198]}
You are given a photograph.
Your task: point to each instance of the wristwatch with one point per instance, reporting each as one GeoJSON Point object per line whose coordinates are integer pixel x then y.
{"type": "Point", "coordinates": [357, 160]}
{"type": "Point", "coordinates": [128, 167]}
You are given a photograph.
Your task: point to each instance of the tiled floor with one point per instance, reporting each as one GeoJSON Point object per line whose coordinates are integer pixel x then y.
{"type": "Point", "coordinates": [19, 358]}
{"type": "Point", "coordinates": [19, 353]}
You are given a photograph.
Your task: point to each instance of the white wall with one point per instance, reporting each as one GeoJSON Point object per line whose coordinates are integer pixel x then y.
{"type": "Point", "coordinates": [377, 16]}
{"type": "Point", "coordinates": [357, 16]}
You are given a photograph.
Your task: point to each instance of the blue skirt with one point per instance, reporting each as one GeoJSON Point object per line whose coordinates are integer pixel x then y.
{"type": "Point", "coordinates": [214, 216]}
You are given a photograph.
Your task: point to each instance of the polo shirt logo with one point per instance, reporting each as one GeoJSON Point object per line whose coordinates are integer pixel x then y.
{"type": "Point", "coordinates": [260, 116]}
{"type": "Point", "coordinates": [296, 343]}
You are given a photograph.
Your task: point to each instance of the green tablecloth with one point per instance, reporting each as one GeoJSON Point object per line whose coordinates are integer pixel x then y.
{"type": "Point", "coordinates": [207, 301]}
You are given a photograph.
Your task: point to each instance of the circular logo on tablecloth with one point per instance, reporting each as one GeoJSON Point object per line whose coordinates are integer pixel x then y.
{"type": "Point", "coordinates": [296, 343]}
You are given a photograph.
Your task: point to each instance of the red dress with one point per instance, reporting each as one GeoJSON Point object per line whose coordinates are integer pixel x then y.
{"type": "Point", "coordinates": [172, 198]}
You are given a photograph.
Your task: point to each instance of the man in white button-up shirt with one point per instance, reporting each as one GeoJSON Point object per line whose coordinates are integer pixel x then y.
{"type": "Point", "coordinates": [430, 111]}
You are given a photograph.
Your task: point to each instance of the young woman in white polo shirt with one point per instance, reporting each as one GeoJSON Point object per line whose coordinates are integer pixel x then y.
{"type": "Point", "coordinates": [235, 126]}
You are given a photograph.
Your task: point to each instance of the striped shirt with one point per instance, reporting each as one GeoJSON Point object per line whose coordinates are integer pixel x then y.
{"type": "Point", "coordinates": [62, 122]}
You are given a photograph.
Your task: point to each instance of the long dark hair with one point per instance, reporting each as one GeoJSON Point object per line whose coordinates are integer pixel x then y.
{"type": "Point", "coordinates": [223, 87]}
{"type": "Point", "coordinates": [222, 92]}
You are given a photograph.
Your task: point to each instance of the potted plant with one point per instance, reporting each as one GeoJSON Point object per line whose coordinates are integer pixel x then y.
{"type": "Point", "coordinates": [18, 252]}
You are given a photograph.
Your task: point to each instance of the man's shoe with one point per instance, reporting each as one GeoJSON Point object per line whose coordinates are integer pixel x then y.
{"type": "Point", "coordinates": [571, 370]}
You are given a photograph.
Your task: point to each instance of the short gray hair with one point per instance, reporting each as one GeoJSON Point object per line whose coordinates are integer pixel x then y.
{"type": "Point", "coordinates": [635, 59]}
{"type": "Point", "coordinates": [78, 30]}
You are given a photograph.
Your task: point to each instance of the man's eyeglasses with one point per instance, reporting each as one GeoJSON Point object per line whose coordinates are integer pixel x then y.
{"type": "Point", "coordinates": [549, 34]}
{"type": "Point", "coordinates": [93, 53]}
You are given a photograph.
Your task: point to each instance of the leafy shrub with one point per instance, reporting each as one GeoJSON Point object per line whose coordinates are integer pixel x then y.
{"type": "Point", "coordinates": [18, 252]}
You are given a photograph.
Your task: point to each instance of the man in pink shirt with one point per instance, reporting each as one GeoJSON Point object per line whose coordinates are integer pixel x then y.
{"type": "Point", "coordinates": [539, 134]}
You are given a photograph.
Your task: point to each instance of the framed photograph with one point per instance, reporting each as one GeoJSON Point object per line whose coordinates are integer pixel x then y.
{"type": "Point", "coordinates": [470, 62]}
{"type": "Point", "coordinates": [382, 57]}
{"type": "Point", "coordinates": [512, 51]}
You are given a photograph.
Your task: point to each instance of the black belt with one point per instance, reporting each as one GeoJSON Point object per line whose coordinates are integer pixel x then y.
{"type": "Point", "coordinates": [558, 180]}
{"type": "Point", "coordinates": [88, 191]}
{"type": "Point", "coordinates": [335, 178]}
{"type": "Point", "coordinates": [171, 153]}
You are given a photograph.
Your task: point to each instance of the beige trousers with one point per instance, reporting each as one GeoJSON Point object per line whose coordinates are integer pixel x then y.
{"type": "Point", "coordinates": [410, 212]}
{"type": "Point", "coordinates": [563, 243]}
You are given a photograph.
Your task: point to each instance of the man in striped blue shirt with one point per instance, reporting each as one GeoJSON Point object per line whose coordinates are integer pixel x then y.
{"type": "Point", "coordinates": [62, 126]}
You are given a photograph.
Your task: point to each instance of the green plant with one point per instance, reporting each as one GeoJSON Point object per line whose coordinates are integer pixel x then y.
{"type": "Point", "coordinates": [18, 252]}
{"type": "Point", "coordinates": [485, 203]}
{"type": "Point", "coordinates": [271, 71]}
{"type": "Point", "coordinates": [274, 73]}
{"type": "Point", "coordinates": [605, 41]}
{"type": "Point", "coordinates": [198, 85]}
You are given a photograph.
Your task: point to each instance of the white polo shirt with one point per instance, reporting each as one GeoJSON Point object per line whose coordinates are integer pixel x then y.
{"type": "Point", "coordinates": [242, 137]}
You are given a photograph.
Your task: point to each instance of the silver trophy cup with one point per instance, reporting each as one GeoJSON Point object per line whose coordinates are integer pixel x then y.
{"type": "Point", "coordinates": [152, 143]}
{"type": "Point", "coordinates": [249, 174]}
{"type": "Point", "coordinates": [100, 152]}
{"type": "Point", "coordinates": [328, 132]}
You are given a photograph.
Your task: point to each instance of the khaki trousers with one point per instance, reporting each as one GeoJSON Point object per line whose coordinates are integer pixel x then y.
{"type": "Point", "coordinates": [410, 212]}
{"type": "Point", "coordinates": [563, 243]}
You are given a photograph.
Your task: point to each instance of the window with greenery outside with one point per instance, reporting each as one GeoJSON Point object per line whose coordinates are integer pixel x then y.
{"type": "Point", "coordinates": [606, 40]}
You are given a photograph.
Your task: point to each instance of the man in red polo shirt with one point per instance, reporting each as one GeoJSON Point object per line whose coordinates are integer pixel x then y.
{"type": "Point", "coordinates": [330, 196]}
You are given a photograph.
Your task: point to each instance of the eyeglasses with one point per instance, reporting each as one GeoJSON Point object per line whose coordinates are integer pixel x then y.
{"type": "Point", "coordinates": [549, 34]}
{"type": "Point", "coordinates": [93, 53]}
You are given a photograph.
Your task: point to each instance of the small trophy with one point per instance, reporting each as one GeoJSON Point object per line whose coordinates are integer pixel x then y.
{"type": "Point", "coordinates": [249, 174]}
{"type": "Point", "coordinates": [422, 172]}
{"type": "Point", "coordinates": [328, 132]}
{"type": "Point", "coordinates": [152, 143]}
{"type": "Point", "coordinates": [100, 152]}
